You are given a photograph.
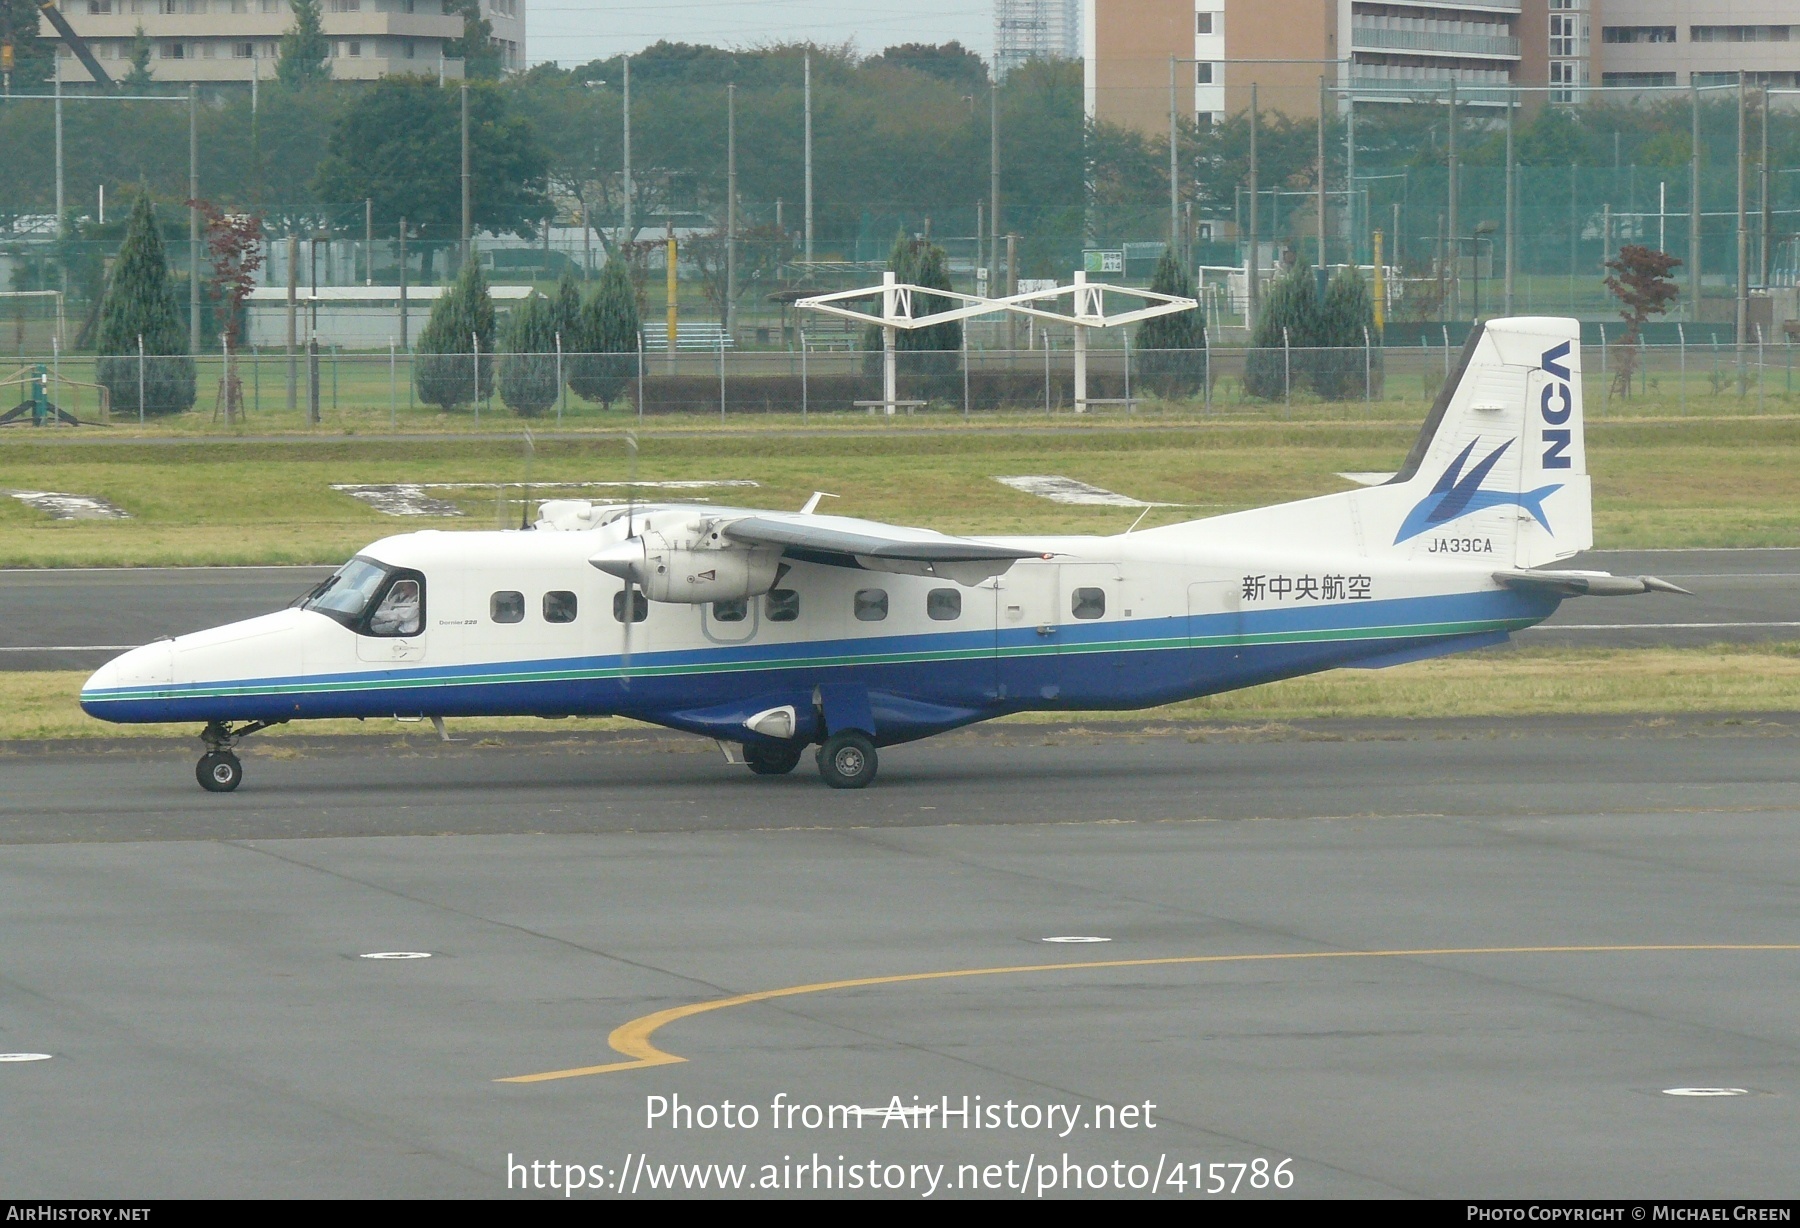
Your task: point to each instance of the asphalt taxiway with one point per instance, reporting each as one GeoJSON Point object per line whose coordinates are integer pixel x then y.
{"type": "Point", "coordinates": [1465, 959]}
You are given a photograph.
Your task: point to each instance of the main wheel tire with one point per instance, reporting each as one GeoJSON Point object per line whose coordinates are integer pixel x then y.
{"type": "Point", "coordinates": [767, 760]}
{"type": "Point", "coordinates": [847, 760]}
{"type": "Point", "coordinates": [219, 771]}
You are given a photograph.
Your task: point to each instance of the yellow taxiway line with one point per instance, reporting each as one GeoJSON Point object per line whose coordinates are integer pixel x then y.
{"type": "Point", "coordinates": [633, 1039]}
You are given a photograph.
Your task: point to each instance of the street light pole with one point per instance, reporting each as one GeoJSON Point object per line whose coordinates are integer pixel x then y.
{"type": "Point", "coordinates": [630, 230]}
{"type": "Point", "coordinates": [809, 177]}
{"type": "Point", "coordinates": [193, 220]}
{"type": "Point", "coordinates": [466, 227]}
{"type": "Point", "coordinates": [994, 177]}
{"type": "Point", "coordinates": [1253, 295]}
{"type": "Point", "coordinates": [1174, 166]}
{"type": "Point", "coordinates": [730, 207]}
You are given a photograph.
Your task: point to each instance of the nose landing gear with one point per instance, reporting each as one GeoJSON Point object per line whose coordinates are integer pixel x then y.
{"type": "Point", "coordinates": [219, 770]}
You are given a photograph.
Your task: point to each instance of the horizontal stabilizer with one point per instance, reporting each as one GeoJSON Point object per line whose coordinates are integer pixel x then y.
{"type": "Point", "coordinates": [1586, 583]}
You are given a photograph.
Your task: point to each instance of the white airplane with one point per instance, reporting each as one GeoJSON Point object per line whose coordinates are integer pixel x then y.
{"type": "Point", "coordinates": [772, 632]}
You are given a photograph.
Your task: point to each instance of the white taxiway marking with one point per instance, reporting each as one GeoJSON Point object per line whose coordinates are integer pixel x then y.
{"type": "Point", "coordinates": [1076, 938]}
{"type": "Point", "coordinates": [410, 499]}
{"type": "Point", "coordinates": [1706, 1091]}
{"type": "Point", "coordinates": [60, 506]}
{"type": "Point", "coordinates": [398, 955]}
{"type": "Point", "coordinates": [24, 1057]}
{"type": "Point", "coordinates": [1059, 489]}
{"type": "Point", "coordinates": [76, 648]}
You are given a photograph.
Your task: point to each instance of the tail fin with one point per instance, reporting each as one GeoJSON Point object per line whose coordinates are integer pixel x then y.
{"type": "Point", "coordinates": [1499, 471]}
{"type": "Point", "coordinates": [1501, 462]}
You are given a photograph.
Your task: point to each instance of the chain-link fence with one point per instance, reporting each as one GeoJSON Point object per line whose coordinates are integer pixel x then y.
{"type": "Point", "coordinates": [343, 389]}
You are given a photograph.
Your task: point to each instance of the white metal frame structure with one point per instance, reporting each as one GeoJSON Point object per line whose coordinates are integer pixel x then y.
{"type": "Point", "coordinates": [1089, 311]}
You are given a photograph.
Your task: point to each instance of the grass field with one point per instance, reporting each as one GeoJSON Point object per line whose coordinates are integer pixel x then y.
{"type": "Point", "coordinates": [1495, 683]}
{"type": "Point", "coordinates": [1658, 482]}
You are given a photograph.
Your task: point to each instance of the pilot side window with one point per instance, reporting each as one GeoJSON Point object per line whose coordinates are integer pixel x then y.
{"type": "Point", "coordinates": [401, 612]}
{"type": "Point", "coordinates": [507, 607]}
{"type": "Point", "coordinates": [640, 606]}
{"type": "Point", "coordinates": [1088, 603]}
{"type": "Point", "coordinates": [871, 605]}
{"type": "Point", "coordinates": [735, 610]}
{"type": "Point", "coordinates": [943, 604]}
{"type": "Point", "coordinates": [782, 605]}
{"type": "Point", "coordinates": [559, 607]}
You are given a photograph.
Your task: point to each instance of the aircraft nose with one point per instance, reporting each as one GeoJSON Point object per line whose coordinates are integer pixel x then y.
{"type": "Point", "coordinates": [151, 665]}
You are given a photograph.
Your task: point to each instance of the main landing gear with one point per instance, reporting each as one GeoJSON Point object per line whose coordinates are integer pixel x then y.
{"type": "Point", "coordinates": [219, 770]}
{"type": "Point", "coordinates": [846, 760]}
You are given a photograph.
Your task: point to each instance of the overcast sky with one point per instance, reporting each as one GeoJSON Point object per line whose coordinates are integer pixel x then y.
{"type": "Point", "coordinates": [575, 31]}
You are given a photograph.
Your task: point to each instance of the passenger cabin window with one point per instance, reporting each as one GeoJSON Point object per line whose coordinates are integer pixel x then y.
{"type": "Point", "coordinates": [734, 611]}
{"type": "Point", "coordinates": [507, 607]}
{"type": "Point", "coordinates": [782, 605]}
{"type": "Point", "coordinates": [559, 607]}
{"type": "Point", "coordinates": [1088, 603]}
{"type": "Point", "coordinates": [401, 612]}
{"type": "Point", "coordinates": [640, 606]}
{"type": "Point", "coordinates": [944, 604]}
{"type": "Point", "coordinates": [871, 605]}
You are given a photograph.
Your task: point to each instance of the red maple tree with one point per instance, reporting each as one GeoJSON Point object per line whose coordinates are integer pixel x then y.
{"type": "Point", "coordinates": [234, 248]}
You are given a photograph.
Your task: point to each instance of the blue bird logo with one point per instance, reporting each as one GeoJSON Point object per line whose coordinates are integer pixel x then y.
{"type": "Point", "coordinates": [1458, 493]}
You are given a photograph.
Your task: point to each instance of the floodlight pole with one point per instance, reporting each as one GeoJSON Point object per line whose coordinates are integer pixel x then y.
{"type": "Point", "coordinates": [807, 95]}
{"type": "Point", "coordinates": [193, 219]}
{"type": "Point", "coordinates": [630, 230]}
{"type": "Point", "coordinates": [1694, 219]}
{"type": "Point", "coordinates": [730, 206]}
{"type": "Point", "coordinates": [1743, 245]}
{"type": "Point", "coordinates": [994, 181]}
{"type": "Point", "coordinates": [1767, 211]}
{"type": "Point", "coordinates": [59, 144]}
{"type": "Point", "coordinates": [466, 231]}
{"type": "Point", "coordinates": [1512, 209]}
{"type": "Point", "coordinates": [1454, 213]}
{"type": "Point", "coordinates": [293, 323]}
{"type": "Point", "coordinates": [1253, 294]}
{"type": "Point", "coordinates": [1323, 260]}
{"type": "Point", "coordinates": [1174, 173]}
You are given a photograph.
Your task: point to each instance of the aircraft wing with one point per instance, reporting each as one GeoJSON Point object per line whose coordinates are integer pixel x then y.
{"type": "Point", "coordinates": [842, 541]}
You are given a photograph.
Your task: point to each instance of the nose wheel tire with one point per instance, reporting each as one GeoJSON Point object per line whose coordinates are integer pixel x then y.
{"type": "Point", "coordinates": [847, 760]}
{"type": "Point", "coordinates": [772, 760]}
{"type": "Point", "coordinates": [219, 771]}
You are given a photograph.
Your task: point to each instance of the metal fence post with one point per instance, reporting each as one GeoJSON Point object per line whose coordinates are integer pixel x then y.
{"type": "Point", "coordinates": [393, 386]}
{"type": "Point", "coordinates": [1287, 371]}
{"type": "Point", "coordinates": [475, 365]}
{"type": "Point", "coordinates": [1206, 373]}
{"type": "Point", "coordinates": [1681, 335]}
{"type": "Point", "coordinates": [640, 380]}
{"type": "Point", "coordinates": [334, 357]}
{"type": "Point", "coordinates": [803, 416]}
{"type": "Point", "coordinates": [1368, 374]}
{"type": "Point", "coordinates": [562, 392]}
{"type": "Point", "coordinates": [1126, 334]}
{"type": "Point", "coordinates": [963, 335]}
{"type": "Point", "coordinates": [1046, 335]}
{"type": "Point", "coordinates": [721, 375]}
{"type": "Point", "coordinates": [140, 379]}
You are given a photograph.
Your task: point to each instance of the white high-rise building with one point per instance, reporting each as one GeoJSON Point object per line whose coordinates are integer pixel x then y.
{"type": "Point", "coordinates": [1035, 30]}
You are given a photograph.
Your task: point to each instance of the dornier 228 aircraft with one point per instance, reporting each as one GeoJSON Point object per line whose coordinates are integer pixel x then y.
{"type": "Point", "coordinates": [773, 632]}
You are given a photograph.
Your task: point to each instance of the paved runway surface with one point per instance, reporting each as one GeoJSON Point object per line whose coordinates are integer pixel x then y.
{"type": "Point", "coordinates": [194, 970]}
{"type": "Point", "coordinates": [81, 618]}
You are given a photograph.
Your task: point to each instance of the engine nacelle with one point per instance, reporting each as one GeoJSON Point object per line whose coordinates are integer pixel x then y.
{"type": "Point", "coordinates": [678, 572]}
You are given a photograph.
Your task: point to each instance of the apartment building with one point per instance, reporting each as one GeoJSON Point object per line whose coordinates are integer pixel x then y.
{"type": "Point", "coordinates": [1035, 30]}
{"type": "Point", "coordinates": [1664, 43]}
{"type": "Point", "coordinates": [1386, 51]}
{"type": "Point", "coordinates": [236, 40]}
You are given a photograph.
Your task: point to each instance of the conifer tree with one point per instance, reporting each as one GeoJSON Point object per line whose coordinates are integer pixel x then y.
{"type": "Point", "coordinates": [528, 367]}
{"type": "Point", "coordinates": [447, 367]}
{"type": "Point", "coordinates": [1346, 325]}
{"type": "Point", "coordinates": [140, 302]}
{"type": "Point", "coordinates": [929, 352]}
{"type": "Point", "coordinates": [305, 53]}
{"type": "Point", "coordinates": [607, 333]}
{"type": "Point", "coordinates": [565, 306]}
{"type": "Point", "coordinates": [139, 75]}
{"type": "Point", "coordinates": [1287, 324]}
{"type": "Point", "coordinates": [1171, 348]}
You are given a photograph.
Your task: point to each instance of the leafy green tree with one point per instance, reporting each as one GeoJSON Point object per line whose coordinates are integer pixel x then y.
{"type": "Point", "coordinates": [33, 57]}
{"type": "Point", "coordinates": [1287, 323]}
{"type": "Point", "coordinates": [138, 76]}
{"type": "Point", "coordinates": [140, 302]}
{"type": "Point", "coordinates": [449, 371]}
{"type": "Point", "coordinates": [399, 144]}
{"type": "Point", "coordinates": [606, 336]}
{"type": "Point", "coordinates": [951, 63]}
{"type": "Point", "coordinates": [476, 49]}
{"type": "Point", "coordinates": [1171, 348]}
{"type": "Point", "coordinates": [1346, 326]}
{"type": "Point", "coordinates": [305, 52]}
{"type": "Point", "coordinates": [528, 367]}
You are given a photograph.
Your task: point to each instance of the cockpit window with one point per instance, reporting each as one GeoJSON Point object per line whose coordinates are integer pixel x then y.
{"type": "Point", "coordinates": [401, 610]}
{"type": "Point", "coordinates": [371, 599]}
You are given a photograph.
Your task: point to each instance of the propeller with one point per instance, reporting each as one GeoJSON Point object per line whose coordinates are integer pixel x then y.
{"type": "Point", "coordinates": [631, 536]}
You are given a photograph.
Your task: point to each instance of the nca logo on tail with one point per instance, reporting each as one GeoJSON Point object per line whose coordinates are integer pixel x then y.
{"type": "Point", "coordinates": [1556, 430]}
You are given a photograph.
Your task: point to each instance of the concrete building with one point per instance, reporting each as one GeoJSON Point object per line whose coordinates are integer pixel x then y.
{"type": "Point", "coordinates": [1697, 42]}
{"type": "Point", "coordinates": [235, 40]}
{"type": "Point", "coordinates": [1387, 51]}
{"type": "Point", "coordinates": [1035, 30]}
